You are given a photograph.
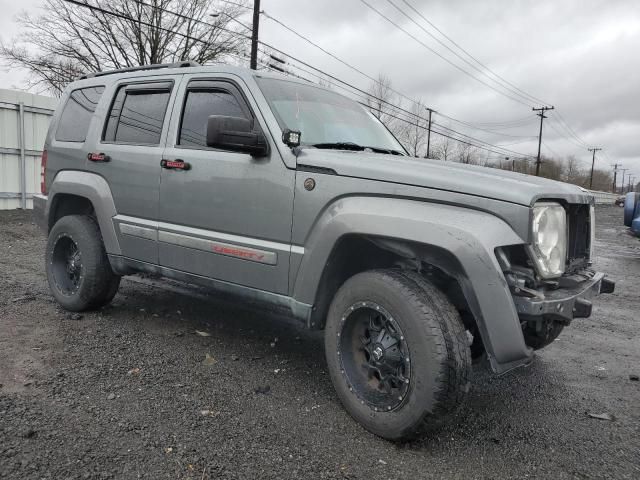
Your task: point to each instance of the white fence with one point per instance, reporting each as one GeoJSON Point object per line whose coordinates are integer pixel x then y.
{"type": "Point", "coordinates": [604, 198]}
{"type": "Point", "coordinates": [24, 120]}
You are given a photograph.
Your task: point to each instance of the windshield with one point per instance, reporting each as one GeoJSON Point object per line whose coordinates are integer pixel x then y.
{"type": "Point", "coordinates": [325, 117]}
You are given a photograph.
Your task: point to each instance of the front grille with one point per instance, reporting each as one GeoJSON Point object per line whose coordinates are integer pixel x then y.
{"type": "Point", "coordinates": [578, 246]}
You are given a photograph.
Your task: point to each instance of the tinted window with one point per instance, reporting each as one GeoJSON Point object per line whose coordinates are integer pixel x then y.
{"type": "Point", "coordinates": [137, 116]}
{"type": "Point", "coordinates": [200, 104]}
{"type": "Point", "coordinates": [77, 113]}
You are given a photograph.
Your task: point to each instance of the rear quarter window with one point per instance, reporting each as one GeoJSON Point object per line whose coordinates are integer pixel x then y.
{"type": "Point", "coordinates": [76, 114]}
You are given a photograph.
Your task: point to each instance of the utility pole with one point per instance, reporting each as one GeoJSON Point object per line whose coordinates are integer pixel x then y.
{"type": "Point", "coordinates": [593, 163]}
{"type": "Point", "coordinates": [615, 176]}
{"type": "Point", "coordinates": [542, 117]}
{"type": "Point", "coordinates": [623, 170]}
{"type": "Point", "coordinates": [429, 132]}
{"type": "Point", "coordinates": [254, 35]}
{"type": "Point", "coordinates": [631, 184]}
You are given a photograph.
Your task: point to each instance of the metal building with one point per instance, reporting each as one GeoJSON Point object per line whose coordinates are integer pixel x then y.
{"type": "Point", "coordinates": [24, 120]}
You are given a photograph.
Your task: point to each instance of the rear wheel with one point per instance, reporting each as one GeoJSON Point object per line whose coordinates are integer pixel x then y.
{"type": "Point", "coordinates": [397, 353]}
{"type": "Point", "coordinates": [78, 270]}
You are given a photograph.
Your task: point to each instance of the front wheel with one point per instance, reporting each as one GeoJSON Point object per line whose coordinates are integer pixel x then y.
{"type": "Point", "coordinates": [397, 353]}
{"type": "Point", "coordinates": [78, 270]}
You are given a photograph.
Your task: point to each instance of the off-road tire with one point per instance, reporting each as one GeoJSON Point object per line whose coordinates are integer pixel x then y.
{"type": "Point", "coordinates": [537, 340]}
{"type": "Point", "coordinates": [437, 343]}
{"type": "Point", "coordinates": [96, 283]}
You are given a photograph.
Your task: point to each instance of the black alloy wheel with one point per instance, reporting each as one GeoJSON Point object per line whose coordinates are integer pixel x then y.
{"type": "Point", "coordinates": [66, 265]}
{"type": "Point", "coordinates": [375, 357]}
{"type": "Point", "coordinates": [78, 269]}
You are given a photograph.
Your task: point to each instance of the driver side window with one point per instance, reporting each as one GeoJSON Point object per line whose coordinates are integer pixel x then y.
{"type": "Point", "coordinates": [198, 106]}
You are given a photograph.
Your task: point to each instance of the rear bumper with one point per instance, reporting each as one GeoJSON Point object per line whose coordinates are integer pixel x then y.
{"type": "Point", "coordinates": [39, 211]}
{"type": "Point", "coordinates": [571, 300]}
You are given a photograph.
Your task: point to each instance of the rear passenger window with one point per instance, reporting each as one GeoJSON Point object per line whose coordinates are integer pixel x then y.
{"type": "Point", "coordinates": [199, 105]}
{"type": "Point", "coordinates": [137, 115]}
{"type": "Point", "coordinates": [77, 113]}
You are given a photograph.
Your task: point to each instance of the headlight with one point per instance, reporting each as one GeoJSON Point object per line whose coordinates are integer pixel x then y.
{"type": "Point", "coordinates": [549, 238]}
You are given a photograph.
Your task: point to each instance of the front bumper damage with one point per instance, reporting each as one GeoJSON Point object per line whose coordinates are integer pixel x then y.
{"type": "Point", "coordinates": [568, 299]}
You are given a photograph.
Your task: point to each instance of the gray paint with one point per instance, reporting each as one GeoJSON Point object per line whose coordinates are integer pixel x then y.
{"type": "Point", "coordinates": [471, 180]}
{"type": "Point", "coordinates": [168, 221]}
{"type": "Point", "coordinates": [228, 192]}
{"type": "Point", "coordinates": [470, 236]}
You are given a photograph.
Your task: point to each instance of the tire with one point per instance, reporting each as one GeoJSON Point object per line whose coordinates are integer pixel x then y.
{"type": "Point", "coordinates": [426, 329]}
{"type": "Point", "coordinates": [78, 270]}
{"type": "Point", "coordinates": [538, 340]}
{"type": "Point", "coordinates": [631, 207]}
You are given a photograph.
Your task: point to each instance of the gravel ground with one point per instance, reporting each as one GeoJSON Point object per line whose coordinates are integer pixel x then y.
{"type": "Point", "coordinates": [133, 391]}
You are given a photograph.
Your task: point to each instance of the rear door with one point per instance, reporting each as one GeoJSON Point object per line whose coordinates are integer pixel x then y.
{"type": "Point", "coordinates": [229, 216]}
{"type": "Point", "coordinates": [128, 156]}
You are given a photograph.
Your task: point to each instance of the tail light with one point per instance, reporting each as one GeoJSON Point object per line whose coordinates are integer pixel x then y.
{"type": "Point", "coordinates": [43, 167]}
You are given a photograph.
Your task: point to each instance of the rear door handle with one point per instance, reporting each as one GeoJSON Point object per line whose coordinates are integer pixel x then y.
{"type": "Point", "coordinates": [175, 164]}
{"type": "Point", "coordinates": [98, 157]}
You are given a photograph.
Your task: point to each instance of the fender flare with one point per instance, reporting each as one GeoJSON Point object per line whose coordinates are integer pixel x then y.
{"type": "Point", "coordinates": [468, 238]}
{"type": "Point", "coordinates": [95, 189]}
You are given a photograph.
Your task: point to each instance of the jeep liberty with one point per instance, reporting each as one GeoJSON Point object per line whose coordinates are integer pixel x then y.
{"type": "Point", "coordinates": [272, 189]}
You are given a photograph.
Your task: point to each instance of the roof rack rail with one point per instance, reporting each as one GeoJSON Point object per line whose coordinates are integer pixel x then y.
{"type": "Point", "coordinates": [154, 66]}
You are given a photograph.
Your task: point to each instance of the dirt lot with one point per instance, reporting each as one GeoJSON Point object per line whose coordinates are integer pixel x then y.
{"type": "Point", "coordinates": [133, 391]}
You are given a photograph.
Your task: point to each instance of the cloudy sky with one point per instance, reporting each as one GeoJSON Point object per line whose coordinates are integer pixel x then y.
{"type": "Point", "coordinates": [582, 56]}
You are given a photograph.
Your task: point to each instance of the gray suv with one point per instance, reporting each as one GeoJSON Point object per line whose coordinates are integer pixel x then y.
{"type": "Point", "coordinates": [271, 189]}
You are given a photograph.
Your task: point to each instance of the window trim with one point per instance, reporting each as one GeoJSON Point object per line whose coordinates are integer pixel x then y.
{"type": "Point", "coordinates": [137, 88]}
{"type": "Point", "coordinates": [66, 103]}
{"type": "Point", "coordinates": [203, 84]}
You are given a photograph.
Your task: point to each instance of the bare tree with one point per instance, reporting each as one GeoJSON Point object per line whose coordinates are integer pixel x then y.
{"type": "Point", "coordinates": [67, 40]}
{"type": "Point", "coordinates": [572, 171]}
{"type": "Point", "coordinates": [414, 133]}
{"type": "Point", "coordinates": [466, 154]}
{"type": "Point", "coordinates": [380, 96]}
{"type": "Point", "coordinates": [444, 149]}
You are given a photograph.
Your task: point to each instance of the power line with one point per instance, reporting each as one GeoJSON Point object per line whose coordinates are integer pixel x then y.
{"type": "Point", "coordinates": [535, 99]}
{"type": "Point", "coordinates": [454, 132]}
{"type": "Point", "coordinates": [396, 116]}
{"type": "Point", "coordinates": [475, 67]}
{"type": "Point", "coordinates": [563, 122]}
{"type": "Point", "coordinates": [332, 55]}
{"type": "Point", "coordinates": [409, 34]}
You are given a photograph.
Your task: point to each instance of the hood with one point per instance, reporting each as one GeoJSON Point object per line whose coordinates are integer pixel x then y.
{"type": "Point", "coordinates": [450, 176]}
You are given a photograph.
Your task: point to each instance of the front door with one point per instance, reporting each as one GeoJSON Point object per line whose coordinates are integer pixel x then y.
{"type": "Point", "coordinates": [229, 215]}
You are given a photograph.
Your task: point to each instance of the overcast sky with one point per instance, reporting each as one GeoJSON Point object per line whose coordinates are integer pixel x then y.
{"type": "Point", "coordinates": [582, 56]}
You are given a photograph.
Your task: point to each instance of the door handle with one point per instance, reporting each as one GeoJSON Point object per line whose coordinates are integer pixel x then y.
{"type": "Point", "coordinates": [98, 157]}
{"type": "Point", "coordinates": [175, 164]}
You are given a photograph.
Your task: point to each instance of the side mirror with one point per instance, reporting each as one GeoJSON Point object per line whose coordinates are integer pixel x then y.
{"type": "Point", "coordinates": [237, 134]}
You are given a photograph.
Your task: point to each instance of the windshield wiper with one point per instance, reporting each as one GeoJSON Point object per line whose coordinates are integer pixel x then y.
{"type": "Point", "coordinates": [356, 147]}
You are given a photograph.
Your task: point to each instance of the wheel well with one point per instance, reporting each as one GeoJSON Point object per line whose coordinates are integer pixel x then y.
{"type": "Point", "coordinates": [353, 254]}
{"type": "Point", "coordinates": [67, 204]}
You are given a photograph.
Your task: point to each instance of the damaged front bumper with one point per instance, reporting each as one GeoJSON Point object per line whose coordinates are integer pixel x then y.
{"type": "Point", "coordinates": [571, 298]}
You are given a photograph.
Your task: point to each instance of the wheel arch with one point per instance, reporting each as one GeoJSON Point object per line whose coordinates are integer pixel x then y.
{"type": "Point", "coordinates": [453, 243]}
{"type": "Point", "coordinates": [76, 192]}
